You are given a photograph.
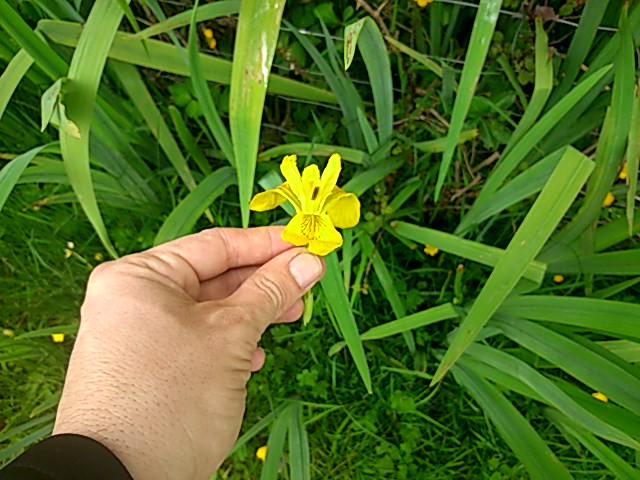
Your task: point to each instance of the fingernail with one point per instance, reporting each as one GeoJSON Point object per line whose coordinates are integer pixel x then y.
{"type": "Point", "coordinates": [305, 269]}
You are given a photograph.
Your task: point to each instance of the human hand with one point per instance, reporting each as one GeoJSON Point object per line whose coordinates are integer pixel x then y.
{"type": "Point", "coordinates": [168, 340]}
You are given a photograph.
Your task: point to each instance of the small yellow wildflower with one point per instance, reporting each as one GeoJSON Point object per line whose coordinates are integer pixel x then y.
{"type": "Point", "coordinates": [7, 332]}
{"type": "Point", "coordinates": [423, 3]}
{"type": "Point", "coordinates": [431, 250]}
{"type": "Point", "coordinates": [558, 278]}
{"type": "Point", "coordinates": [261, 453]}
{"type": "Point", "coordinates": [57, 337]}
{"type": "Point", "coordinates": [69, 250]}
{"type": "Point", "coordinates": [608, 200]}
{"type": "Point", "coordinates": [98, 257]}
{"type": "Point", "coordinates": [600, 396]}
{"type": "Point", "coordinates": [320, 205]}
{"type": "Point", "coordinates": [208, 34]}
{"type": "Point", "coordinates": [623, 173]}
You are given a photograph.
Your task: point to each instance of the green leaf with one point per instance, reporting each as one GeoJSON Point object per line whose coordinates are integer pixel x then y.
{"type": "Point", "coordinates": [548, 209]}
{"type": "Point", "coordinates": [306, 149]}
{"type": "Point", "coordinates": [537, 132]}
{"type": "Point", "coordinates": [606, 316]}
{"type": "Point", "coordinates": [49, 102]}
{"type": "Point", "coordinates": [275, 446]}
{"type": "Point", "coordinates": [367, 35]}
{"type": "Point", "coordinates": [541, 90]}
{"type": "Point", "coordinates": [481, 36]}
{"type": "Point", "coordinates": [475, 251]}
{"type": "Point", "coordinates": [439, 144]}
{"type": "Point", "coordinates": [186, 214]}
{"type": "Point", "coordinates": [584, 364]}
{"type": "Point", "coordinates": [388, 284]}
{"type": "Point", "coordinates": [189, 143]}
{"type": "Point", "coordinates": [203, 94]}
{"type": "Point", "coordinates": [405, 324]}
{"type": "Point", "coordinates": [256, 37]}
{"type": "Point", "coordinates": [203, 13]}
{"type": "Point", "coordinates": [344, 90]}
{"type": "Point", "coordinates": [608, 457]}
{"type": "Point", "coordinates": [550, 393]}
{"type": "Point", "coordinates": [12, 76]}
{"type": "Point", "coordinates": [299, 458]}
{"type": "Point", "coordinates": [258, 427]}
{"type": "Point", "coordinates": [580, 47]}
{"type": "Point", "coordinates": [43, 55]}
{"type": "Point", "coordinates": [12, 171]}
{"type": "Point", "coordinates": [611, 144]}
{"type": "Point", "coordinates": [530, 449]}
{"type": "Point", "coordinates": [168, 58]}
{"type": "Point", "coordinates": [338, 302]}
{"type": "Point", "coordinates": [624, 262]}
{"type": "Point", "coordinates": [144, 103]}
{"type": "Point", "coordinates": [423, 59]}
{"type": "Point", "coordinates": [633, 158]}
{"type": "Point", "coordinates": [85, 73]}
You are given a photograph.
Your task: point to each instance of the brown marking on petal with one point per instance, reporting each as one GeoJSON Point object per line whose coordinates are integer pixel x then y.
{"type": "Point", "coordinates": [315, 193]}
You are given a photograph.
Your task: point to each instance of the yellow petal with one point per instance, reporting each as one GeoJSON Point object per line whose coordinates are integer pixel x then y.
{"type": "Point", "coordinates": [57, 337]}
{"type": "Point", "coordinates": [329, 176]}
{"type": "Point", "coordinates": [310, 181]}
{"type": "Point", "coordinates": [431, 250]}
{"type": "Point", "coordinates": [289, 169]}
{"type": "Point", "coordinates": [273, 198]}
{"type": "Point", "coordinates": [261, 453]}
{"type": "Point", "coordinates": [609, 199]}
{"type": "Point", "coordinates": [343, 208]}
{"type": "Point", "coordinates": [558, 278]}
{"type": "Point", "coordinates": [315, 230]}
{"type": "Point", "coordinates": [623, 173]}
{"type": "Point", "coordinates": [267, 200]}
{"type": "Point", "coordinates": [600, 396]}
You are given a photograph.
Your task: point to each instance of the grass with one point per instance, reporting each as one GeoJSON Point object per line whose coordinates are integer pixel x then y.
{"type": "Point", "coordinates": [419, 130]}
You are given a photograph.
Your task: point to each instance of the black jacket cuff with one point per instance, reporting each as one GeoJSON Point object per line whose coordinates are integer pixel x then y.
{"type": "Point", "coordinates": [66, 457]}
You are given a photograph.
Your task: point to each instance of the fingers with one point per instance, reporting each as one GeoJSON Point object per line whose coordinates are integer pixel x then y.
{"type": "Point", "coordinates": [212, 252]}
{"type": "Point", "coordinates": [225, 284]}
{"type": "Point", "coordinates": [293, 314]}
{"type": "Point", "coordinates": [257, 360]}
{"type": "Point", "coordinates": [274, 288]}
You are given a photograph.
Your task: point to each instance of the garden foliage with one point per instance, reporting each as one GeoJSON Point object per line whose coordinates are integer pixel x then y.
{"type": "Point", "coordinates": [495, 269]}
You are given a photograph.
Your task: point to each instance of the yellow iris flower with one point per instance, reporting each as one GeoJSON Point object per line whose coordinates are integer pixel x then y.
{"type": "Point", "coordinates": [320, 205]}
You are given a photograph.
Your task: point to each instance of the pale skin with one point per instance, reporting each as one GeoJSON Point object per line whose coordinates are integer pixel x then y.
{"type": "Point", "coordinates": [168, 340]}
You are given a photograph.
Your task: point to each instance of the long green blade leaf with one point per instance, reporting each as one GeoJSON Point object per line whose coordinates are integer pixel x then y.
{"type": "Point", "coordinates": [168, 58]}
{"type": "Point", "coordinates": [481, 36]}
{"type": "Point", "coordinates": [339, 303]}
{"type": "Point", "coordinates": [550, 393]}
{"type": "Point", "coordinates": [535, 230]}
{"type": "Point", "coordinates": [584, 364]}
{"type": "Point", "coordinates": [606, 316]}
{"type": "Point", "coordinates": [186, 214]}
{"type": "Point", "coordinates": [475, 251]}
{"type": "Point", "coordinates": [203, 95]}
{"type": "Point", "coordinates": [11, 172]}
{"type": "Point", "coordinates": [85, 73]}
{"type": "Point", "coordinates": [258, 29]}
{"type": "Point", "coordinates": [534, 454]}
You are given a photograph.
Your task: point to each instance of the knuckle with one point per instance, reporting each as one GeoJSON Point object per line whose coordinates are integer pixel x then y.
{"type": "Point", "coordinates": [275, 291]}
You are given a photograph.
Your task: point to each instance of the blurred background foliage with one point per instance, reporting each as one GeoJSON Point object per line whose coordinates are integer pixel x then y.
{"type": "Point", "coordinates": [500, 135]}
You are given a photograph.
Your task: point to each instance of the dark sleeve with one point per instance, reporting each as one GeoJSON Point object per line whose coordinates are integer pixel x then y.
{"type": "Point", "coordinates": [66, 457]}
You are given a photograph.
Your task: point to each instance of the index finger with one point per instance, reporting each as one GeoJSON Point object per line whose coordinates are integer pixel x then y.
{"type": "Point", "coordinates": [214, 251]}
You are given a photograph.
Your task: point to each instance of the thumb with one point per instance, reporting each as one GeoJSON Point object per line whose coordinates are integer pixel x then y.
{"type": "Point", "coordinates": [278, 284]}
